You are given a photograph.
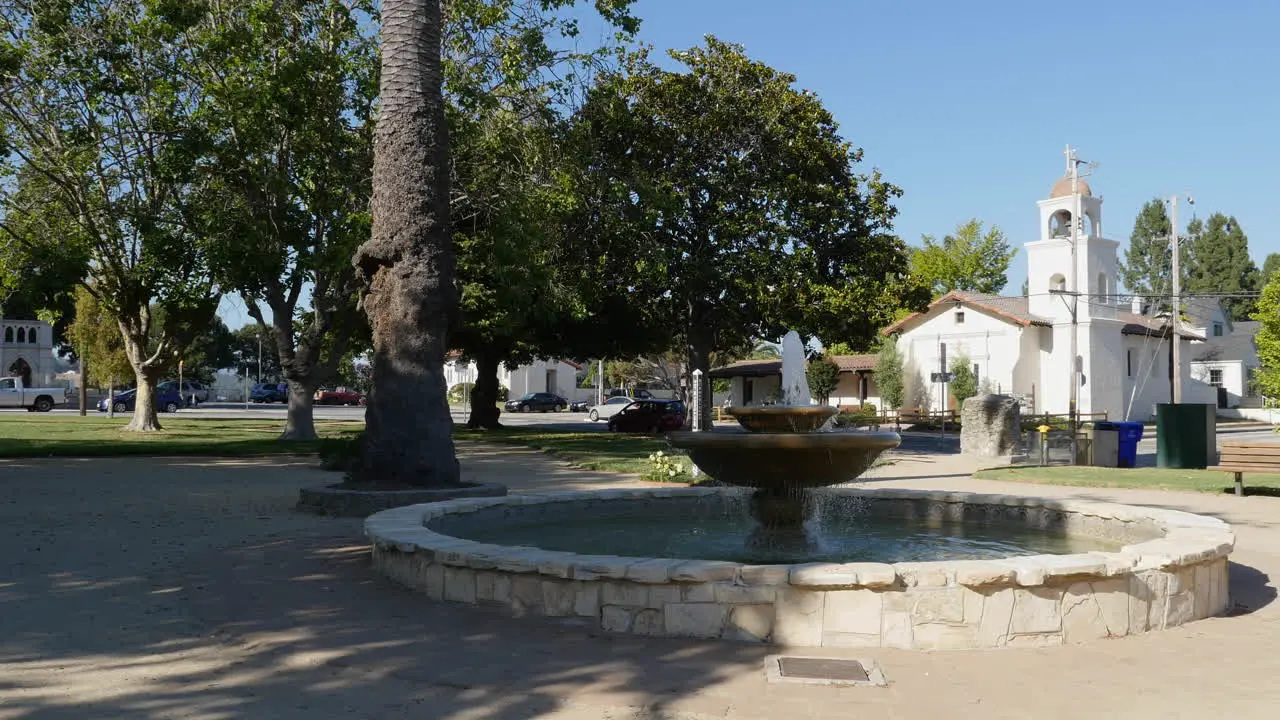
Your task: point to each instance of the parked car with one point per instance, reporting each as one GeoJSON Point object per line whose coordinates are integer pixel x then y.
{"type": "Point", "coordinates": [610, 407]}
{"type": "Point", "coordinates": [166, 401]}
{"type": "Point", "coordinates": [190, 389]}
{"type": "Point", "coordinates": [338, 396]}
{"type": "Point", "coordinates": [540, 401]}
{"type": "Point", "coordinates": [653, 416]}
{"type": "Point", "coordinates": [14, 394]}
{"type": "Point", "coordinates": [269, 393]}
{"type": "Point", "coordinates": [580, 405]}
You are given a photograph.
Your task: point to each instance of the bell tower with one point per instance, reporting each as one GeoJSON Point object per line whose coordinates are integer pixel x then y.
{"type": "Point", "coordinates": [1071, 213]}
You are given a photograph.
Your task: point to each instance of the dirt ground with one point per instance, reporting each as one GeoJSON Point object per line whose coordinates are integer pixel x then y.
{"type": "Point", "coordinates": [172, 588]}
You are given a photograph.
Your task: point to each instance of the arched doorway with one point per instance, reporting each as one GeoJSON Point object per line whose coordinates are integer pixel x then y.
{"type": "Point", "coordinates": [22, 369]}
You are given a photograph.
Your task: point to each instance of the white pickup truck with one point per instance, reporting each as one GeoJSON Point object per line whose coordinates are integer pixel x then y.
{"type": "Point", "coordinates": [14, 395]}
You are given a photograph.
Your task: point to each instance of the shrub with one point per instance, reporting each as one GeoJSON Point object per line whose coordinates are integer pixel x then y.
{"type": "Point", "coordinates": [667, 468]}
{"type": "Point", "coordinates": [862, 417]}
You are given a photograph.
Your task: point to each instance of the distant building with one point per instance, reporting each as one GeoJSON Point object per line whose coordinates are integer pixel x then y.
{"type": "Point", "coordinates": [755, 382]}
{"type": "Point", "coordinates": [551, 375]}
{"type": "Point", "coordinates": [26, 351]}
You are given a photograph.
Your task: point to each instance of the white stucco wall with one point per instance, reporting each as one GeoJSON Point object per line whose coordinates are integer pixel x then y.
{"type": "Point", "coordinates": [1234, 377]}
{"type": "Point", "coordinates": [39, 355]}
{"type": "Point", "coordinates": [993, 344]}
{"type": "Point", "coordinates": [847, 393]}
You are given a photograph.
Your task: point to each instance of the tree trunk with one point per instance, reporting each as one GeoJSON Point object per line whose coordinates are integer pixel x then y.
{"type": "Point", "coordinates": [484, 396]}
{"type": "Point", "coordinates": [408, 264]}
{"type": "Point", "coordinates": [299, 423]}
{"type": "Point", "coordinates": [145, 418]}
{"type": "Point", "coordinates": [144, 396]}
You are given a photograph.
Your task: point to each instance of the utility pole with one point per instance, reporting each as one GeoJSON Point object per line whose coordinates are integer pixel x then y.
{"type": "Point", "coordinates": [1175, 312]}
{"type": "Point", "coordinates": [600, 382]}
{"type": "Point", "coordinates": [259, 356]}
{"type": "Point", "coordinates": [1077, 225]}
{"type": "Point", "coordinates": [84, 389]}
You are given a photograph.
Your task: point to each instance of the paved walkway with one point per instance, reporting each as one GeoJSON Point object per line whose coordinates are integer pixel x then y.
{"type": "Point", "coordinates": [190, 589]}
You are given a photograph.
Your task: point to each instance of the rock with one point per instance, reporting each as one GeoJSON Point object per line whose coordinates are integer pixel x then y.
{"type": "Point", "coordinates": [990, 426]}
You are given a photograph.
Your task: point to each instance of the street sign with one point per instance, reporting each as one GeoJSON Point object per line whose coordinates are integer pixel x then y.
{"type": "Point", "coordinates": [941, 377]}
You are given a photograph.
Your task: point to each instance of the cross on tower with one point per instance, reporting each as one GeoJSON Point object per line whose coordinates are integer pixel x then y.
{"type": "Point", "coordinates": [1070, 153]}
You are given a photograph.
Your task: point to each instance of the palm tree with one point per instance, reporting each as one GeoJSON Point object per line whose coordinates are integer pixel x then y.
{"type": "Point", "coordinates": [407, 265]}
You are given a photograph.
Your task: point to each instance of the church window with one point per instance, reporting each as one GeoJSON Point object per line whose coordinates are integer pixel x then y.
{"type": "Point", "coordinates": [1128, 361]}
{"type": "Point", "coordinates": [22, 335]}
{"type": "Point", "coordinates": [8, 334]}
{"type": "Point", "coordinates": [1217, 329]}
{"type": "Point", "coordinates": [977, 376]}
{"type": "Point", "coordinates": [959, 317]}
{"type": "Point", "coordinates": [31, 335]}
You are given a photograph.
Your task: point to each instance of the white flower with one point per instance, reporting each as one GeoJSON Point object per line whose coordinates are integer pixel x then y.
{"type": "Point", "coordinates": [659, 453]}
{"type": "Point", "coordinates": [672, 473]}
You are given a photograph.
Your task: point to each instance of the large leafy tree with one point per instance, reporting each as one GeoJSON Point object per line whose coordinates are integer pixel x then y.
{"type": "Point", "coordinates": [1269, 267]}
{"type": "Point", "coordinates": [968, 259]}
{"type": "Point", "coordinates": [1148, 268]}
{"type": "Point", "coordinates": [96, 99]}
{"type": "Point", "coordinates": [1220, 263]}
{"type": "Point", "coordinates": [724, 201]}
{"type": "Point", "coordinates": [510, 70]}
{"type": "Point", "coordinates": [1267, 313]}
{"type": "Point", "coordinates": [39, 268]}
{"type": "Point", "coordinates": [290, 87]}
{"type": "Point", "coordinates": [408, 265]}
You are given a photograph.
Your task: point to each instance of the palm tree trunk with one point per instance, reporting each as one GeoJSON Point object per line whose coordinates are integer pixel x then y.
{"type": "Point", "coordinates": [407, 265]}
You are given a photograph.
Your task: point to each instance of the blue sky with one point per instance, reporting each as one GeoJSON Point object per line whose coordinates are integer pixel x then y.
{"type": "Point", "coordinates": [968, 105]}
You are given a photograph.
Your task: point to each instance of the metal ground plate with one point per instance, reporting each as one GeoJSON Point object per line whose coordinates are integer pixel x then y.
{"type": "Point", "coordinates": [823, 671]}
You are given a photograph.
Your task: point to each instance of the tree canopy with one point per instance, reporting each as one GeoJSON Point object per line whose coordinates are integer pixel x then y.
{"type": "Point", "coordinates": [1220, 263]}
{"type": "Point", "coordinates": [97, 101]}
{"type": "Point", "coordinates": [290, 174]}
{"type": "Point", "coordinates": [1147, 267]}
{"type": "Point", "coordinates": [723, 201]}
{"type": "Point", "coordinates": [967, 259]}
{"type": "Point", "coordinates": [1267, 313]}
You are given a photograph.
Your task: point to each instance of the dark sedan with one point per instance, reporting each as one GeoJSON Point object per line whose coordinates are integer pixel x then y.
{"type": "Point", "coordinates": [651, 416]}
{"type": "Point", "coordinates": [269, 393]}
{"type": "Point", "coordinates": [166, 401]}
{"type": "Point", "coordinates": [537, 401]}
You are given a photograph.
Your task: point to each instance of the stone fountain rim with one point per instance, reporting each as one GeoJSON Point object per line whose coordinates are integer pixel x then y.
{"type": "Point", "coordinates": [1186, 539]}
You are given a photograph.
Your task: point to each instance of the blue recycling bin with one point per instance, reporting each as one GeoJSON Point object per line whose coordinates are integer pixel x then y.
{"type": "Point", "coordinates": [1129, 433]}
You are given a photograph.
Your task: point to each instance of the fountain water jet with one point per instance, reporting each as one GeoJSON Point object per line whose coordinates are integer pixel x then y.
{"type": "Point", "coordinates": [783, 456]}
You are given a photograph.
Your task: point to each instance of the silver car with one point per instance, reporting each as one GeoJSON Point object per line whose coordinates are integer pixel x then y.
{"type": "Point", "coordinates": [610, 407]}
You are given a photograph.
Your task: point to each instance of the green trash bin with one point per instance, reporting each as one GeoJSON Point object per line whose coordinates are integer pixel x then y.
{"type": "Point", "coordinates": [1183, 433]}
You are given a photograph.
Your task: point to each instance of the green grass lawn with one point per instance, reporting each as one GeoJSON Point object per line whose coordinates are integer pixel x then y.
{"type": "Point", "coordinates": [1146, 478]}
{"type": "Point", "coordinates": [63, 435]}
{"type": "Point", "coordinates": [613, 452]}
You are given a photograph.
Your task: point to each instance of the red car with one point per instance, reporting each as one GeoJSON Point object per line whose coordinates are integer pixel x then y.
{"type": "Point", "coordinates": [652, 416]}
{"type": "Point", "coordinates": [338, 396]}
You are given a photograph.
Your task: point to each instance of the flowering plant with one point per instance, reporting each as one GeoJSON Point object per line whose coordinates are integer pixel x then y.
{"type": "Point", "coordinates": [666, 468]}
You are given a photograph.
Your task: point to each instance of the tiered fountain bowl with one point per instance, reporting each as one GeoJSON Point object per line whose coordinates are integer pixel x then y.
{"type": "Point", "coordinates": [782, 455]}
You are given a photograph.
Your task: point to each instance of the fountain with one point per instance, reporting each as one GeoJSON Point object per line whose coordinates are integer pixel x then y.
{"type": "Point", "coordinates": [881, 567]}
{"type": "Point", "coordinates": [783, 456]}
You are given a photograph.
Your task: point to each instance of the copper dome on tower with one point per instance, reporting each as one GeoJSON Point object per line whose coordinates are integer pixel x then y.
{"type": "Point", "coordinates": [1062, 188]}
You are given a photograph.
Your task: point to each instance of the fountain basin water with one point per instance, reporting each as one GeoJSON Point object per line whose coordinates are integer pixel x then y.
{"type": "Point", "coordinates": [1170, 568]}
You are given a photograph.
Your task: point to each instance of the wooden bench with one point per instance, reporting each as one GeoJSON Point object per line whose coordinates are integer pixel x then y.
{"type": "Point", "coordinates": [1248, 457]}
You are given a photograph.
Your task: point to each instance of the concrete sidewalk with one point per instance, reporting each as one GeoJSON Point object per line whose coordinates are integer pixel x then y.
{"type": "Point", "coordinates": [170, 588]}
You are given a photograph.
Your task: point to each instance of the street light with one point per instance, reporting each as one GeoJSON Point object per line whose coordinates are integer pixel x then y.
{"type": "Point", "coordinates": [259, 357]}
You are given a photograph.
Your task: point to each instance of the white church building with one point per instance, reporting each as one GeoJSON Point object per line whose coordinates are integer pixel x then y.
{"type": "Point", "coordinates": [26, 350]}
{"type": "Point", "coordinates": [1022, 345]}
